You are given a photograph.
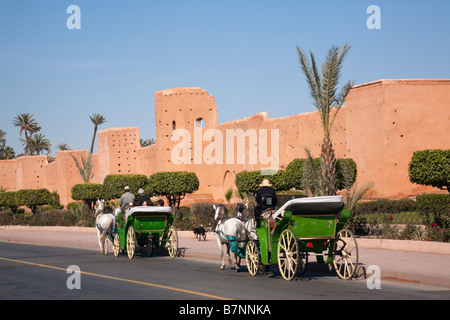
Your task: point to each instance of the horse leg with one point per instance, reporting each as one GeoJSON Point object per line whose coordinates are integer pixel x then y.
{"type": "Point", "coordinates": [237, 262]}
{"type": "Point", "coordinates": [99, 236]}
{"type": "Point", "coordinates": [228, 255]}
{"type": "Point", "coordinates": [219, 243]}
{"type": "Point", "coordinates": [106, 244]}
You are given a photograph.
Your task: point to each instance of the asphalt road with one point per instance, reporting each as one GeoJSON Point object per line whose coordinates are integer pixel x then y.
{"type": "Point", "coordinates": [40, 272]}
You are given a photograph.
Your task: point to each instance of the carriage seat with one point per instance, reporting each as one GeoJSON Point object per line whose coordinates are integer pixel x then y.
{"type": "Point", "coordinates": [312, 206]}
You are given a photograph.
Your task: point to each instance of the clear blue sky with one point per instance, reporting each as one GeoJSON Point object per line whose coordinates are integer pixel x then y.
{"type": "Point", "coordinates": [241, 52]}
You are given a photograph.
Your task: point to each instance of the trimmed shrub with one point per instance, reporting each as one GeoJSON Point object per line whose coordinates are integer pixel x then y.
{"type": "Point", "coordinates": [32, 198]}
{"type": "Point", "coordinates": [431, 168]}
{"type": "Point", "coordinates": [75, 206]}
{"type": "Point", "coordinates": [173, 185]}
{"type": "Point", "coordinates": [114, 184]}
{"type": "Point", "coordinates": [385, 206]}
{"type": "Point", "coordinates": [248, 182]}
{"type": "Point", "coordinates": [433, 203]}
{"type": "Point", "coordinates": [435, 207]}
{"type": "Point", "coordinates": [87, 192]}
{"type": "Point", "coordinates": [8, 199]}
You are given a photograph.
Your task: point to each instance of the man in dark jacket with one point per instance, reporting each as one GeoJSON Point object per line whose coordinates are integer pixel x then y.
{"type": "Point", "coordinates": [266, 197]}
{"type": "Point", "coordinates": [143, 199]}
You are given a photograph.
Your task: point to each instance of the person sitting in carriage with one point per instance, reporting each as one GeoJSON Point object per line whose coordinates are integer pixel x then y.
{"type": "Point", "coordinates": [126, 198]}
{"type": "Point", "coordinates": [143, 199]}
{"type": "Point", "coordinates": [127, 211]}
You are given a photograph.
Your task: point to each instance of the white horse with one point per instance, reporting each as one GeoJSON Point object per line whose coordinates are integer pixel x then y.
{"type": "Point", "coordinates": [233, 233]}
{"type": "Point", "coordinates": [104, 222]}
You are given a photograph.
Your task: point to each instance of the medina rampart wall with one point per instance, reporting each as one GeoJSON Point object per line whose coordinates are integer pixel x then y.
{"type": "Point", "coordinates": [381, 125]}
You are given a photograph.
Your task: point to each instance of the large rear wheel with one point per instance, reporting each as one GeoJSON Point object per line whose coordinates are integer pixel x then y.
{"type": "Point", "coordinates": [131, 242]}
{"type": "Point", "coordinates": [288, 254]}
{"type": "Point", "coordinates": [172, 242]}
{"type": "Point", "coordinates": [116, 245]}
{"type": "Point", "coordinates": [345, 254]}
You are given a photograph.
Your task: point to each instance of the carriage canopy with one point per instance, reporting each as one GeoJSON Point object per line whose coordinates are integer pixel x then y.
{"type": "Point", "coordinates": [313, 205]}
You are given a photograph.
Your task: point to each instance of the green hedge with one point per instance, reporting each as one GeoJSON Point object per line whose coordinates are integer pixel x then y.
{"type": "Point", "coordinates": [48, 218]}
{"type": "Point", "coordinates": [8, 199]}
{"type": "Point", "coordinates": [385, 206]}
{"type": "Point", "coordinates": [114, 184]}
{"type": "Point", "coordinates": [87, 192]}
{"type": "Point", "coordinates": [435, 207]}
{"type": "Point", "coordinates": [248, 182]}
{"type": "Point", "coordinates": [431, 168]}
{"type": "Point", "coordinates": [32, 198]}
{"type": "Point", "coordinates": [174, 185]}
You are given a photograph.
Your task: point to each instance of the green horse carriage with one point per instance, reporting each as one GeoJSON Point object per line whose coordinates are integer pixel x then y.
{"type": "Point", "coordinates": [146, 226]}
{"type": "Point", "coordinates": [300, 228]}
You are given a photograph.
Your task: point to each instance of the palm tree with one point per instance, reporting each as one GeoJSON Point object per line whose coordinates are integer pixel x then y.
{"type": "Point", "coordinates": [146, 142]}
{"type": "Point", "coordinates": [63, 146]}
{"type": "Point", "coordinates": [27, 124]}
{"type": "Point", "coordinates": [97, 119]}
{"type": "Point", "coordinates": [323, 90]}
{"type": "Point", "coordinates": [37, 143]}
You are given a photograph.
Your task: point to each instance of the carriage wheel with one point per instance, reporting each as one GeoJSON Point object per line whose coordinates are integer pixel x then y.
{"type": "Point", "coordinates": [288, 254]}
{"type": "Point", "coordinates": [116, 245]}
{"type": "Point", "coordinates": [345, 254]}
{"type": "Point", "coordinates": [131, 242]}
{"type": "Point", "coordinates": [172, 242]}
{"type": "Point", "coordinates": [252, 258]}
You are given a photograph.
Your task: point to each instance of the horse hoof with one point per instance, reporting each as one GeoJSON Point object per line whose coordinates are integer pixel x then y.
{"type": "Point", "coordinates": [222, 267]}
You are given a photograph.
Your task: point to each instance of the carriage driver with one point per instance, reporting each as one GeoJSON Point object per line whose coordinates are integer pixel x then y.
{"type": "Point", "coordinates": [266, 197]}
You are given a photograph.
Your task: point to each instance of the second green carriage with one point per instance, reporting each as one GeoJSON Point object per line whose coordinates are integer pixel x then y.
{"type": "Point", "coordinates": [146, 226]}
{"type": "Point", "coordinates": [300, 228]}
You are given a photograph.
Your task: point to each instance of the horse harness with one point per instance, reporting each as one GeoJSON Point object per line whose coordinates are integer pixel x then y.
{"type": "Point", "coordinates": [222, 217]}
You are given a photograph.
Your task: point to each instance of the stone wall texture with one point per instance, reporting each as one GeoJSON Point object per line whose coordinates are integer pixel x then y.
{"type": "Point", "coordinates": [380, 126]}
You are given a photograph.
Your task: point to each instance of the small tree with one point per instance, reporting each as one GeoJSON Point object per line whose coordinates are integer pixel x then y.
{"type": "Point", "coordinates": [8, 199]}
{"type": "Point", "coordinates": [88, 193]}
{"type": "Point", "coordinates": [32, 198]}
{"type": "Point", "coordinates": [431, 168]}
{"type": "Point", "coordinates": [114, 184]}
{"type": "Point", "coordinates": [248, 182]}
{"type": "Point", "coordinates": [173, 185]}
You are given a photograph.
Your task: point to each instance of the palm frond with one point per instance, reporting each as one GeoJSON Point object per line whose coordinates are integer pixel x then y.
{"type": "Point", "coordinates": [312, 76]}
{"type": "Point", "coordinates": [84, 168]}
{"type": "Point", "coordinates": [357, 194]}
{"type": "Point", "coordinates": [311, 177]}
